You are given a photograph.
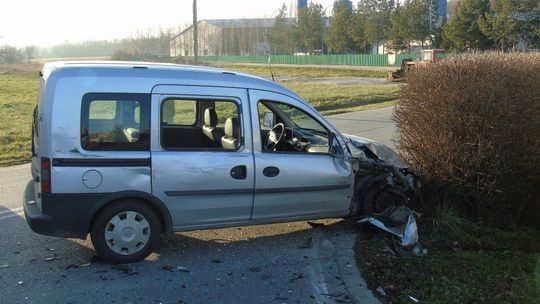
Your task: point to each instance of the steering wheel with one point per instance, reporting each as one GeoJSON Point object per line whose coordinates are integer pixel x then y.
{"type": "Point", "coordinates": [274, 137]}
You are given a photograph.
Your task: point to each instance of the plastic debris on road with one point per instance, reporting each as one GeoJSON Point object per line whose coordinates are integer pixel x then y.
{"type": "Point", "coordinates": [183, 269]}
{"type": "Point", "coordinates": [123, 267]}
{"type": "Point", "coordinates": [381, 291]}
{"type": "Point", "coordinates": [48, 259]}
{"type": "Point", "coordinates": [94, 258]}
{"type": "Point", "coordinates": [168, 268]}
{"type": "Point", "coordinates": [307, 244]}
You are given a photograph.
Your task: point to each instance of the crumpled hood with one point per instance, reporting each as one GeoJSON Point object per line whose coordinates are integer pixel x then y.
{"type": "Point", "coordinates": [380, 150]}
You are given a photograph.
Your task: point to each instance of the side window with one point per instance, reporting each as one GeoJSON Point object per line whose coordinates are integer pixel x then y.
{"type": "Point", "coordinates": [179, 112]}
{"type": "Point", "coordinates": [115, 122]}
{"type": "Point", "coordinates": [200, 124]}
{"type": "Point", "coordinates": [225, 109]}
{"type": "Point", "coordinates": [292, 129]}
{"type": "Point", "coordinates": [102, 110]}
{"type": "Point", "coordinates": [266, 117]}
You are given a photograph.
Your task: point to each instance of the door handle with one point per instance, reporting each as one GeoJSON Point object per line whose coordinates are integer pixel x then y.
{"type": "Point", "coordinates": [271, 171]}
{"type": "Point", "coordinates": [239, 172]}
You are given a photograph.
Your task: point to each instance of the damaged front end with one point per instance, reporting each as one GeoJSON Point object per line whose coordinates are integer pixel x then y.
{"type": "Point", "coordinates": [382, 179]}
{"type": "Point", "coordinates": [385, 192]}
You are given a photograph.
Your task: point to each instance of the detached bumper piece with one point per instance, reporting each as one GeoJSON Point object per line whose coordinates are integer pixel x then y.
{"type": "Point", "coordinates": [399, 221]}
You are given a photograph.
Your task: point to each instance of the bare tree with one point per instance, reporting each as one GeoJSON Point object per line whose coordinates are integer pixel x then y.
{"type": "Point", "coordinates": [10, 54]}
{"type": "Point", "coordinates": [30, 52]}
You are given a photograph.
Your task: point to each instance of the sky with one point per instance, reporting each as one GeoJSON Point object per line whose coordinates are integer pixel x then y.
{"type": "Point", "coordinates": [49, 22]}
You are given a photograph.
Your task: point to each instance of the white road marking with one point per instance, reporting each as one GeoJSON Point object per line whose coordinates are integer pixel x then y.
{"type": "Point", "coordinates": [5, 214]}
{"type": "Point", "coordinates": [317, 281]}
{"type": "Point", "coordinates": [11, 210]}
{"type": "Point", "coordinates": [316, 273]}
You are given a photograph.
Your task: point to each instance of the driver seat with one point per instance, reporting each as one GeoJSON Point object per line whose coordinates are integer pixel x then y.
{"type": "Point", "coordinates": [212, 133]}
{"type": "Point", "coordinates": [230, 140]}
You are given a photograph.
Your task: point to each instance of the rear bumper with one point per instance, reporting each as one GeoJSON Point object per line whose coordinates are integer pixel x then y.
{"type": "Point", "coordinates": [62, 215]}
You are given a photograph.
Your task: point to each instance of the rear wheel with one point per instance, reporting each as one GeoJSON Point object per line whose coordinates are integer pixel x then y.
{"type": "Point", "coordinates": [126, 231]}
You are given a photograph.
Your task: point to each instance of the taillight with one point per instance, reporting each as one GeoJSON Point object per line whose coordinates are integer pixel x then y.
{"type": "Point", "coordinates": [45, 175]}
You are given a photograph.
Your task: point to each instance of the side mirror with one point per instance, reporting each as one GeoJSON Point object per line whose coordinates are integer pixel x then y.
{"type": "Point", "coordinates": [334, 148]}
{"type": "Point", "coordinates": [268, 120]}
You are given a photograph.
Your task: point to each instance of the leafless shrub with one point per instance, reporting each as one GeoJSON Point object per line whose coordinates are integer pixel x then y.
{"type": "Point", "coordinates": [33, 67]}
{"type": "Point", "coordinates": [123, 56]}
{"type": "Point", "coordinates": [471, 126]}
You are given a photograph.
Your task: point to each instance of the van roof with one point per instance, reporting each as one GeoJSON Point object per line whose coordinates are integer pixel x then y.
{"type": "Point", "coordinates": [174, 73]}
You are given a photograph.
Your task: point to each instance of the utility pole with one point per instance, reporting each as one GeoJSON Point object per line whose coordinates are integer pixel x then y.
{"type": "Point", "coordinates": [195, 33]}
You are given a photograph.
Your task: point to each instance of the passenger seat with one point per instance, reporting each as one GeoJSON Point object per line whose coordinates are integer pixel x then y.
{"type": "Point", "coordinates": [230, 140]}
{"type": "Point", "coordinates": [209, 128]}
{"type": "Point", "coordinates": [131, 134]}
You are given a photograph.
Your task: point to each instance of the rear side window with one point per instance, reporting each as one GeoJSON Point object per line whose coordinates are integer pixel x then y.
{"type": "Point", "coordinates": [103, 109]}
{"type": "Point", "coordinates": [115, 122]}
{"type": "Point", "coordinates": [179, 112]}
{"type": "Point", "coordinates": [184, 126]}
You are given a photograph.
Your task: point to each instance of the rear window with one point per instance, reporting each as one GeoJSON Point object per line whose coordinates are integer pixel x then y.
{"type": "Point", "coordinates": [35, 128]}
{"type": "Point", "coordinates": [112, 121]}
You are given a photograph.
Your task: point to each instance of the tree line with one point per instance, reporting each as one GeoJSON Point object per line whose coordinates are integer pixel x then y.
{"type": "Point", "coordinates": [398, 26]}
{"type": "Point", "coordinates": [146, 42]}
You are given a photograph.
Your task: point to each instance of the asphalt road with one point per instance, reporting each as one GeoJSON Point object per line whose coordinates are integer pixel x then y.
{"type": "Point", "coordinates": [258, 264]}
{"type": "Point", "coordinates": [376, 124]}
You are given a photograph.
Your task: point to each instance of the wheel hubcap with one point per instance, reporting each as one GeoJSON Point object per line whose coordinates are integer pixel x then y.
{"type": "Point", "coordinates": [127, 233]}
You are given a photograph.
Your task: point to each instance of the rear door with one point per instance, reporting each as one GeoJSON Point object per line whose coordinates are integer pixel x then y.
{"type": "Point", "coordinates": [201, 185]}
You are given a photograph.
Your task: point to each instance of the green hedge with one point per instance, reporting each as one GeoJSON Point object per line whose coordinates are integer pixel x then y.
{"type": "Point", "coordinates": [471, 126]}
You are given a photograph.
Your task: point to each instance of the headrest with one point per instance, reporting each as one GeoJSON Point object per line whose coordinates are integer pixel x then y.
{"type": "Point", "coordinates": [210, 117]}
{"type": "Point", "coordinates": [231, 127]}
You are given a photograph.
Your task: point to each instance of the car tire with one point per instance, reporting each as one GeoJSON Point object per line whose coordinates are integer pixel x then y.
{"type": "Point", "coordinates": [125, 231]}
{"type": "Point", "coordinates": [373, 195]}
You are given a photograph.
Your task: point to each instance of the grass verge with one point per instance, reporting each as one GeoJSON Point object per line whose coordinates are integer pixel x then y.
{"type": "Point", "coordinates": [467, 263]}
{"type": "Point", "coordinates": [306, 71]}
{"type": "Point", "coordinates": [18, 94]}
{"type": "Point", "coordinates": [333, 99]}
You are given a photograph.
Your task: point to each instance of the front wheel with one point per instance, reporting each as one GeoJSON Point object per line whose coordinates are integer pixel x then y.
{"type": "Point", "coordinates": [374, 195]}
{"type": "Point", "coordinates": [126, 231]}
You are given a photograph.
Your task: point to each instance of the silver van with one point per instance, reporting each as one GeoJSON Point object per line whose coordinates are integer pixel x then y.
{"type": "Point", "coordinates": [130, 151]}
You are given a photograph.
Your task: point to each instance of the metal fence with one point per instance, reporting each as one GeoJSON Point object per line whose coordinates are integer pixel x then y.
{"type": "Point", "coordinates": [352, 59]}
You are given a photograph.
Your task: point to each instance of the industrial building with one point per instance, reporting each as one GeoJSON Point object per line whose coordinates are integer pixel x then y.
{"type": "Point", "coordinates": [229, 36]}
{"type": "Point", "coordinates": [225, 37]}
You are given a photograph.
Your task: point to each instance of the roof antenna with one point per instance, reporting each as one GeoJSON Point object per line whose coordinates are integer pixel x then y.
{"type": "Point", "coordinates": [269, 62]}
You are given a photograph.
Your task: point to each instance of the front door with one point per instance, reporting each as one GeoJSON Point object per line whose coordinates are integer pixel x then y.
{"type": "Point", "coordinates": [201, 181]}
{"type": "Point", "coordinates": [296, 177]}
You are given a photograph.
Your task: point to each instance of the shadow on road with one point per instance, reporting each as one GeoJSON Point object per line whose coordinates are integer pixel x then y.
{"type": "Point", "coordinates": [17, 237]}
{"type": "Point", "coordinates": [239, 262]}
